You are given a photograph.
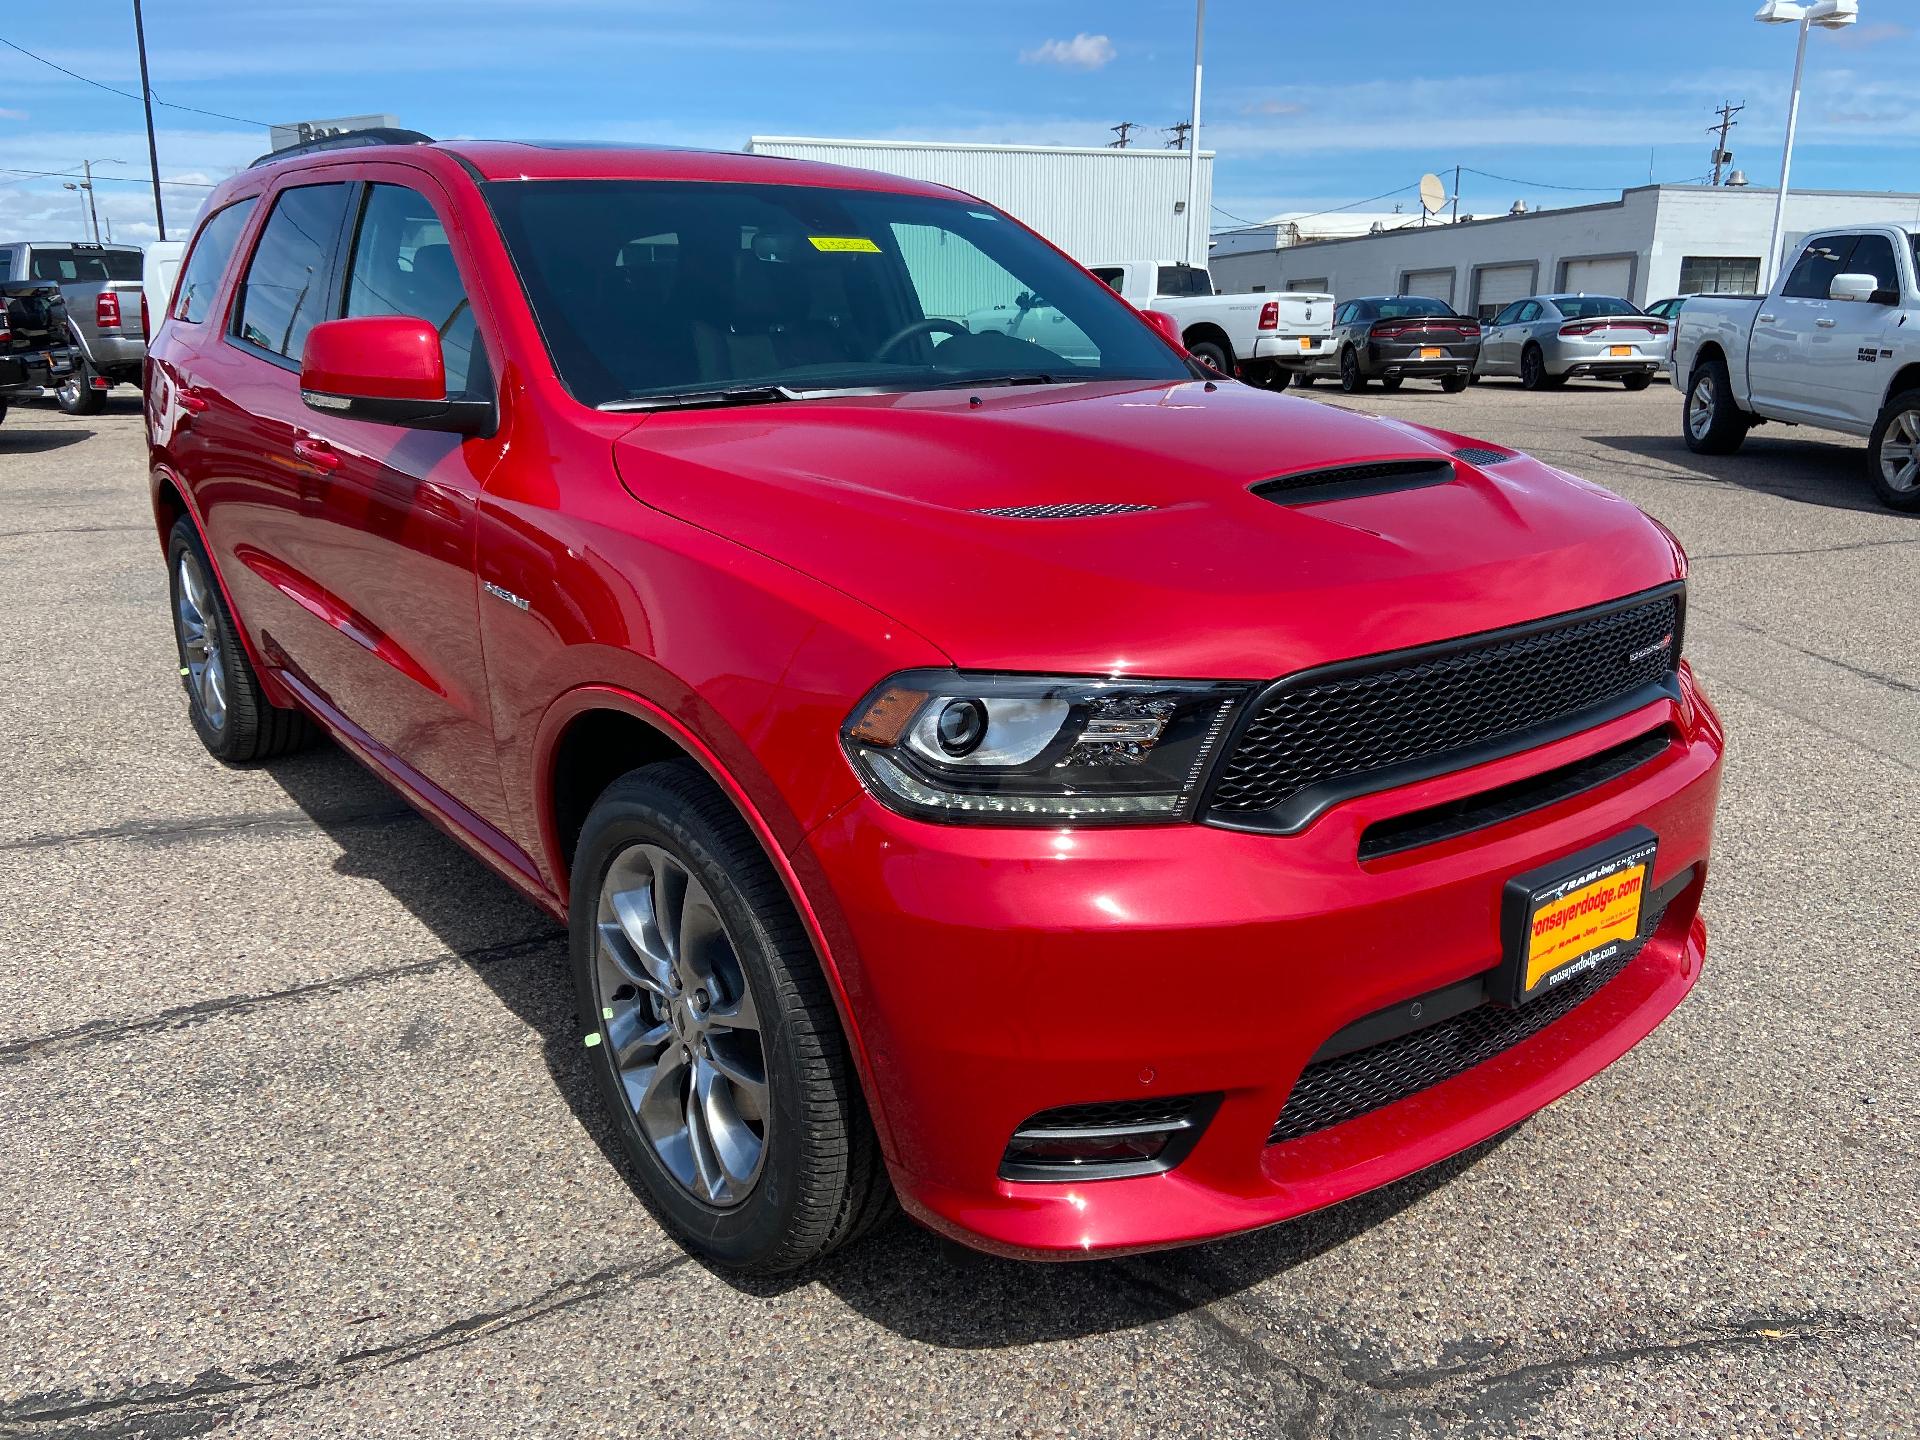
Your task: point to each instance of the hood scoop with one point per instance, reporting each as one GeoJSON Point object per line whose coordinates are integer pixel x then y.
{"type": "Point", "coordinates": [1350, 482]}
{"type": "Point", "coordinates": [1482, 455]}
{"type": "Point", "coordinates": [1060, 512]}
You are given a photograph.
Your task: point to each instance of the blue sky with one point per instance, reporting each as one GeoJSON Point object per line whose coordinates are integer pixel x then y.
{"type": "Point", "coordinates": [1308, 105]}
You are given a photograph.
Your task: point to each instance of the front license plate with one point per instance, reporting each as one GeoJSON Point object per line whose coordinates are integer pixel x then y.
{"type": "Point", "coordinates": [1432, 352]}
{"type": "Point", "coordinates": [1620, 350]}
{"type": "Point", "coordinates": [1562, 920]}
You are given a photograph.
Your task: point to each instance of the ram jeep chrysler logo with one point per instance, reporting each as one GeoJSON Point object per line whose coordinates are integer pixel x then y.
{"type": "Point", "coordinates": [1647, 652]}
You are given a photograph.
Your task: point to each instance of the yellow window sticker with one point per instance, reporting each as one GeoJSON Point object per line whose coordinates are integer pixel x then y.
{"type": "Point", "coordinates": [857, 243]}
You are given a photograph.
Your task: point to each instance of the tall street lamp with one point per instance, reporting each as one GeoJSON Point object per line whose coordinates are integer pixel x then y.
{"type": "Point", "coordinates": [1828, 15]}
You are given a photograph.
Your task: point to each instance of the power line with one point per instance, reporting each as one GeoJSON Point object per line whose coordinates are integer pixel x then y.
{"type": "Point", "coordinates": [116, 179]}
{"type": "Point", "coordinates": [126, 94]}
{"type": "Point", "coordinates": [1540, 184]}
{"type": "Point", "coordinates": [1334, 210]}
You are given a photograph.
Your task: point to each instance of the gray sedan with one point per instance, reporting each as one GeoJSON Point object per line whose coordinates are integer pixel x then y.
{"type": "Point", "coordinates": [1547, 339]}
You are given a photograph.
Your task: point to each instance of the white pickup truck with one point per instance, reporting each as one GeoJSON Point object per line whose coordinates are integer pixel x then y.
{"type": "Point", "coordinates": [1836, 345]}
{"type": "Point", "coordinates": [1264, 337]}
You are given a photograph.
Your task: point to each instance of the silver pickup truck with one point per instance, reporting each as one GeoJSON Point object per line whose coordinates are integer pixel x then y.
{"type": "Point", "coordinates": [101, 285]}
{"type": "Point", "coordinates": [1835, 345]}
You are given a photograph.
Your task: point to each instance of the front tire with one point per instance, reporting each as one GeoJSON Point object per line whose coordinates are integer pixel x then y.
{"type": "Point", "coordinates": [225, 702]}
{"type": "Point", "coordinates": [1710, 421]}
{"type": "Point", "coordinates": [76, 395]}
{"type": "Point", "coordinates": [714, 1040]}
{"type": "Point", "coordinates": [1391, 383]}
{"type": "Point", "coordinates": [1894, 452]}
{"type": "Point", "coordinates": [1352, 382]}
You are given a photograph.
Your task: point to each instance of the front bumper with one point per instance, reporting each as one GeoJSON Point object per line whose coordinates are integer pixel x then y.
{"type": "Point", "coordinates": [993, 974]}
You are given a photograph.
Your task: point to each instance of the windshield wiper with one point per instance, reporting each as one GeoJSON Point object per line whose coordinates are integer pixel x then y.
{"type": "Point", "coordinates": [1030, 377]}
{"type": "Point", "coordinates": [691, 399]}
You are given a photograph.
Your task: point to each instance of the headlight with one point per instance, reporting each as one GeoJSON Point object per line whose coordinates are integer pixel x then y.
{"type": "Point", "coordinates": [1037, 749]}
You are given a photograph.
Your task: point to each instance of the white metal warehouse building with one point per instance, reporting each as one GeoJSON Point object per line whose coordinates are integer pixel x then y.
{"type": "Point", "coordinates": [1097, 204]}
{"type": "Point", "coordinates": [1654, 241]}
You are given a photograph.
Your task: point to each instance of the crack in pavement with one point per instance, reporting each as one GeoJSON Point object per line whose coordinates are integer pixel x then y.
{"type": "Point", "coordinates": [1811, 550]}
{"type": "Point", "coordinates": [72, 530]}
{"type": "Point", "coordinates": [1891, 682]}
{"type": "Point", "coordinates": [213, 1398]}
{"type": "Point", "coordinates": [166, 832]}
{"type": "Point", "coordinates": [1348, 1396]}
{"type": "Point", "coordinates": [1718, 679]}
{"type": "Point", "coordinates": [180, 1017]}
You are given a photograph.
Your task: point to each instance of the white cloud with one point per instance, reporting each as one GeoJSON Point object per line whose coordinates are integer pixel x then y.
{"type": "Point", "coordinates": [1082, 52]}
{"type": "Point", "coordinates": [6, 114]}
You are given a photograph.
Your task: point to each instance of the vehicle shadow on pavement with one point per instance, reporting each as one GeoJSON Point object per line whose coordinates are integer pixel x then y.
{"type": "Point", "coordinates": [1831, 471]}
{"type": "Point", "coordinates": [16, 439]}
{"type": "Point", "coordinates": [915, 1283]}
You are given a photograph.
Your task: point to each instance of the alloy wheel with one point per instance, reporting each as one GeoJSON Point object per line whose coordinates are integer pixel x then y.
{"type": "Point", "coordinates": [681, 1027]}
{"type": "Point", "coordinates": [67, 392]}
{"type": "Point", "coordinates": [200, 651]}
{"type": "Point", "coordinates": [1532, 368]}
{"type": "Point", "coordinates": [1900, 453]}
{"type": "Point", "coordinates": [1700, 404]}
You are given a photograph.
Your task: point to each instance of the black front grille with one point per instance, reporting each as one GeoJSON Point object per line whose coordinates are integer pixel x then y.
{"type": "Point", "coordinates": [1102, 1114]}
{"type": "Point", "coordinates": [1346, 1087]}
{"type": "Point", "coordinates": [1324, 735]}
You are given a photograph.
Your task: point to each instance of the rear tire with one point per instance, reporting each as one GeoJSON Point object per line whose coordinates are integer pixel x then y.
{"type": "Point", "coordinates": [1533, 371]}
{"type": "Point", "coordinates": [1894, 452]}
{"type": "Point", "coordinates": [1352, 382]}
{"type": "Point", "coordinates": [1453, 384]}
{"type": "Point", "coordinates": [1636, 382]}
{"type": "Point", "coordinates": [1277, 377]}
{"type": "Point", "coordinates": [229, 711]}
{"type": "Point", "coordinates": [1212, 356]}
{"type": "Point", "coordinates": [76, 395]}
{"type": "Point", "coordinates": [727, 994]}
{"type": "Point", "coordinates": [1390, 383]}
{"type": "Point", "coordinates": [1710, 421]}
{"type": "Point", "coordinates": [1304, 379]}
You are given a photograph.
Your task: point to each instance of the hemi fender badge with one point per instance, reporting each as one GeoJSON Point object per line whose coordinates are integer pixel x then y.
{"type": "Point", "coordinates": [499, 593]}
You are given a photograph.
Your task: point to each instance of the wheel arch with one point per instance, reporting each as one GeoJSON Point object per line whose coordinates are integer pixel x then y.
{"type": "Point", "coordinates": [172, 502]}
{"type": "Point", "coordinates": [566, 769]}
{"type": "Point", "coordinates": [1207, 331]}
{"type": "Point", "coordinates": [1707, 350]}
{"type": "Point", "coordinates": [1906, 378]}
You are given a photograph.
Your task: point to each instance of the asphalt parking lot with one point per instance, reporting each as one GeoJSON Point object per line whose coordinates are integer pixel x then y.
{"type": "Point", "coordinates": [298, 1140]}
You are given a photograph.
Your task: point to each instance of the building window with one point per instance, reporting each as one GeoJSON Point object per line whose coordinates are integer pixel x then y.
{"type": "Point", "coordinates": [1720, 275]}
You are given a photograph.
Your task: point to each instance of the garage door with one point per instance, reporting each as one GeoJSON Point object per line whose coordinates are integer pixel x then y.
{"type": "Point", "coordinates": [1434, 284]}
{"type": "Point", "coordinates": [1498, 286]}
{"type": "Point", "coordinates": [1609, 276]}
{"type": "Point", "coordinates": [1313, 285]}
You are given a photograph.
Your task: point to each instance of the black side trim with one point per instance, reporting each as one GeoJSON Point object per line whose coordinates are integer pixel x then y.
{"type": "Point", "coordinates": [1350, 482]}
{"type": "Point", "coordinates": [1491, 807]}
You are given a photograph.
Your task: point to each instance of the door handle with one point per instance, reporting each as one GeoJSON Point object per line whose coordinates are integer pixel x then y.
{"type": "Point", "coordinates": [1767, 318]}
{"type": "Point", "coordinates": [192, 402]}
{"type": "Point", "coordinates": [315, 452]}
{"type": "Point", "coordinates": [1826, 324]}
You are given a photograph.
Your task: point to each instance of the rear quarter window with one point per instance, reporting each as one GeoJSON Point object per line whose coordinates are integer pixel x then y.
{"type": "Point", "coordinates": [193, 296]}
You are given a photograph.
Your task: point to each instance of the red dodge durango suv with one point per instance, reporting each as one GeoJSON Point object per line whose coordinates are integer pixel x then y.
{"type": "Point", "coordinates": [1100, 804]}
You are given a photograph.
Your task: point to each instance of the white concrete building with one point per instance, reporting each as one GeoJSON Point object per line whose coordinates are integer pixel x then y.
{"type": "Point", "coordinates": [1096, 204]}
{"type": "Point", "coordinates": [1654, 241]}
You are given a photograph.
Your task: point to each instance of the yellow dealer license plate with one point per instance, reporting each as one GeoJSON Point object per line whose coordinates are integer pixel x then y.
{"type": "Point", "coordinates": [1306, 343]}
{"type": "Point", "coordinates": [1432, 352]}
{"type": "Point", "coordinates": [1567, 918]}
{"type": "Point", "coordinates": [1620, 350]}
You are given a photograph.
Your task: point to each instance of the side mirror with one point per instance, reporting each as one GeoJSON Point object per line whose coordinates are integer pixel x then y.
{"type": "Point", "coordinates": [1168, 327]}
{"type": "Point", "coordinates": [1861, 287]}
{"type": "Point", "coordinates": [388, 369]}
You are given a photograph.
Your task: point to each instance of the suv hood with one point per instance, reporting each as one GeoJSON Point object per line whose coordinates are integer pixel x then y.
{"type": "Point", "coordinates": [880, 497]}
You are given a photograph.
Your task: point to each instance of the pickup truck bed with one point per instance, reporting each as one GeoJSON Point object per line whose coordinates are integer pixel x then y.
{"type": "Point", "coordinates": [35, 349]}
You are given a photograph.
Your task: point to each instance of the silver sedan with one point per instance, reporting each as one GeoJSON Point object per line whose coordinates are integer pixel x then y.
{"type": "Point", "coordinates": [1547, 339]}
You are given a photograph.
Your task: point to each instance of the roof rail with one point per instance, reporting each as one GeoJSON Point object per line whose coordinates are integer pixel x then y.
{"type": "Point", "coordinates": [347, 140]}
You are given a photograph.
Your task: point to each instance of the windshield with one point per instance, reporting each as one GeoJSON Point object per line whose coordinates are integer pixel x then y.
{"type": "Point", "coordinates": [1400, 307]}
{"type": "Point", "coordinates": [1586, 307]}
{"type": "Point", "coordinates": [85, 265]}
{"type": "Point", "coordinates": [654, 288]}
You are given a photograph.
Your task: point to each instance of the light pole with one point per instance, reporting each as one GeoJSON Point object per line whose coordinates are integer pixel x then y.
{"type": "Point", "coordinates": [89, 208]}
{"type": "Point", "coordinates": [1828, 15]}
{"type": "Point", "coordinates": [1197, 229]}
{"type": "Point", "coordinates": [84, 198]}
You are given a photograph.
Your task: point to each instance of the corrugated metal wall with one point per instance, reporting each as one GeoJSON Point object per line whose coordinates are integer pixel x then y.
{"type": "Point", "coordinates": [1094, 204]}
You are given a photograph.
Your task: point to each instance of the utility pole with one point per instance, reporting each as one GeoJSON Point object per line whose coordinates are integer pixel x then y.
{"type": "Point", "coordinates": [1456, 194]}
{"type": "Point", "coordinates": [146, 96]}
{"type": "Point", "coordinates": [1720, 156]}
{"type": "Point", "coordinates": [1178, 130]}
{"type": "Point", "coordinates": [1124, 130]}
{"type": "Point", "coordinates": [1196, 226]}
{"type": "Point", "coordinates": [92, 208]}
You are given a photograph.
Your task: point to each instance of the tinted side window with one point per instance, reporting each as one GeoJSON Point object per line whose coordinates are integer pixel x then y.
{"type": "Point", "coordinates": [1529, 312]}
{"type": "Point", "coordinates": [1812, 275]}
{"type": "Point", "coordinates": [1111, 276]}
{"type": "Point", "coordinates": [1509, 315]}
{"type": "Point", "coordinates": [1873, 255]}
{"type": "Point", "coordinates": [402, 265]}
{"type": "Point", "coordinates": [193, 295]}
{"type": "Point", "coordinates": [284, 294]}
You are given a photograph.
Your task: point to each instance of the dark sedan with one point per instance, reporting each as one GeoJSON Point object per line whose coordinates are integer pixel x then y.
{"type": "Point", "coordinates": [1392, 338]}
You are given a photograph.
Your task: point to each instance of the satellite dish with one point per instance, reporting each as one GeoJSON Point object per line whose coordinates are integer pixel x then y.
{"type": "Point", "coordinates": [1432, 193]}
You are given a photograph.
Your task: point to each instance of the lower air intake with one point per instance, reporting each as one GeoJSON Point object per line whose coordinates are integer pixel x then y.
{"type": "Point", "coordinates": [1107, 1140]}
